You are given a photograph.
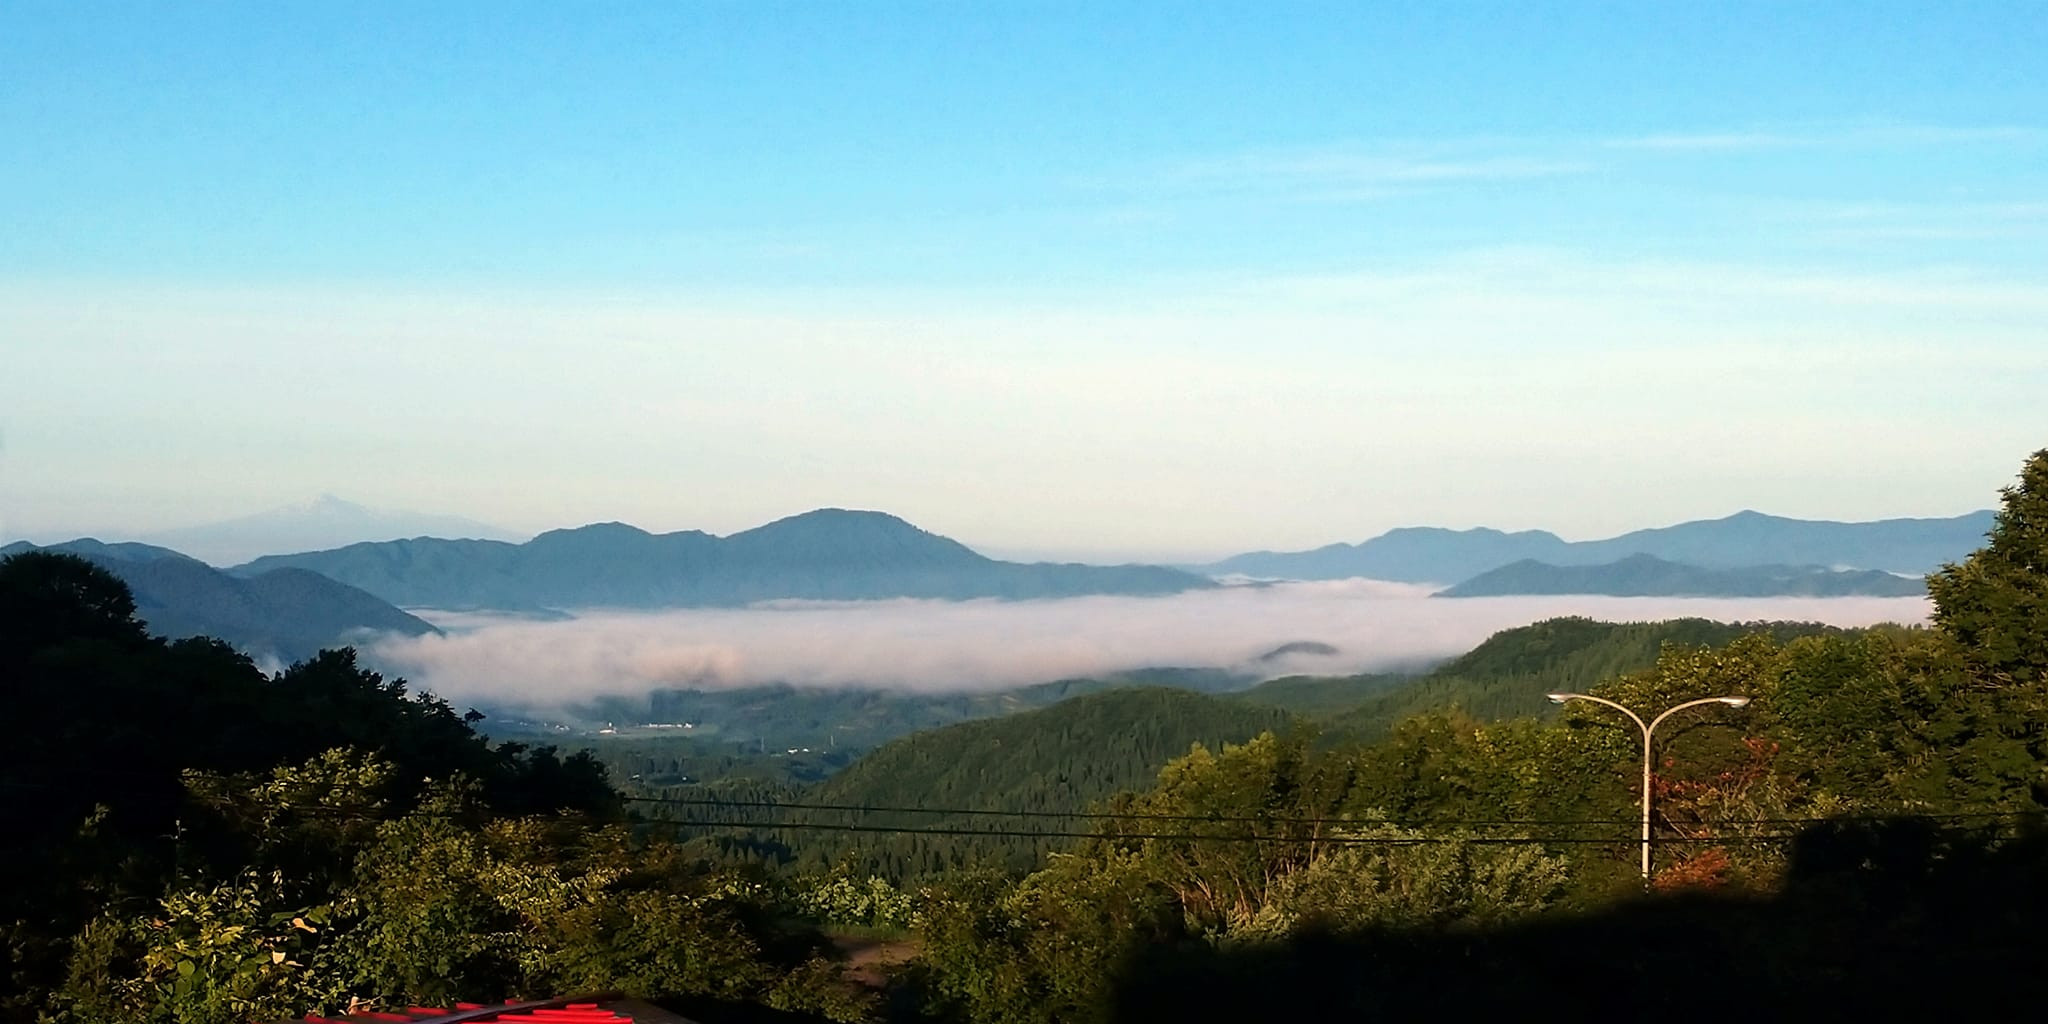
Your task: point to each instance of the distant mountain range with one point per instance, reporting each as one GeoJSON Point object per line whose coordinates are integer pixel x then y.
{"type": "Point", "coordinates": [1650, 576]}
{"type": "Point", "coordinates": [838, 554]}
{"type": "Point", "coordinates": [326, 522]}
{"type": "Point", "coordinates": [828, 554]}
{"type": "Point", "coordinates": [1741, 541]}
{"type": "Point", "coordinates": [283, 614]}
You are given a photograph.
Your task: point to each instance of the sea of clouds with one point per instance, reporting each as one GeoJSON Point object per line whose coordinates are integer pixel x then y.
{"type": "Point", "coordinates": [978, 645]}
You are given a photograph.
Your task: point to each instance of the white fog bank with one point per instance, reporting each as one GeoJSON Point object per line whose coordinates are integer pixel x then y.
{"type": "Point", "coordinates": [976, 645]}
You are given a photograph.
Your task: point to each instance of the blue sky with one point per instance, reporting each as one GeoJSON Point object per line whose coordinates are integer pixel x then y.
{"type": "Point", "coordinates": [1106, 280]}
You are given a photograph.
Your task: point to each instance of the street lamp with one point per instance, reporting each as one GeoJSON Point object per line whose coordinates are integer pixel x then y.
{"type": "Point", "coordinates": [1733, 702]}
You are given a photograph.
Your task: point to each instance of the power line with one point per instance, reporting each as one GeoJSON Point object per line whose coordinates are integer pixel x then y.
{"type": "Point", "coordinates": [1269, 820]}
{"type": "Point", "coordinates": [1105, 815]}
{"type": "Point", "coordinates": [1337, 840]}
{"type": "Point", "coordinates": [799, 805]}
{"type": "Point", "coordinates": [1296, 840]}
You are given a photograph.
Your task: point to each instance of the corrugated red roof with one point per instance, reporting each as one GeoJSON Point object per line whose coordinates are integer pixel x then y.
{"type": "Point", "coordinates": [576, 1010]}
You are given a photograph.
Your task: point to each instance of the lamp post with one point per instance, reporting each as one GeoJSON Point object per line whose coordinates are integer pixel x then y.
{"type": "Point", "coordinates": [1648, 729]}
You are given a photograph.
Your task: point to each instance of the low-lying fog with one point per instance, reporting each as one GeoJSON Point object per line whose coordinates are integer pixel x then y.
{"type": "Point", "coordinates": [974, 645]}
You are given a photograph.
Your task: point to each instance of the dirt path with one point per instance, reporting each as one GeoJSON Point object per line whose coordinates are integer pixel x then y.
{"type": "Point", "coordinates": [869, 960]}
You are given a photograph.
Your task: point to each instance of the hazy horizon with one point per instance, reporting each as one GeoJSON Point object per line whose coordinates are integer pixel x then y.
{"type": "Point", "coordinates": [1080, 552]}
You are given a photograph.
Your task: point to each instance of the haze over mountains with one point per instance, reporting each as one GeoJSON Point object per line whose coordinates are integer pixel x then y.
{"type": "Point", "coordinates": [287, 606]}
{"type": "Point", "coordinates": [827, 554]}
{"type": "Point", "coordinates": [325, 522]}
{"type": "Point", "coordinates": [843, 555]}
{"type": "Point", "coordinates": [1743, 540]}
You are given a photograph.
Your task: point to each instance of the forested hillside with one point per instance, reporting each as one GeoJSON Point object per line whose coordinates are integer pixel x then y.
{"type": "Point", "coordinates": [1321, 696]}
{"type": "Point", "coordinates": [195, 841]}
{"type": "Point", "coordinates": [1864, 837]}
{"type": "Point", "coordinates": [1509, 674]}
{"type": "Point", "coordinates": [1057, 759]}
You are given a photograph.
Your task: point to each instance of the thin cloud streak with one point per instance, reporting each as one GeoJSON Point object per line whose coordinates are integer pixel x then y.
{"type": "Point", "coordinates": [1361, 171]}
{"type": "Point", "coordinates": [1348, 173]}
{"type": "Point", "coordinates": [1866, 135]}
{"type": "Point", "coordinates": [939, 646]}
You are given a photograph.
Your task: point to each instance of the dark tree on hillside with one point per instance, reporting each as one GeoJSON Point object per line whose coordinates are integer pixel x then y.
{"type": "Point", "coordinates": [104, 720]}
{"type": "Point", "coordinates": [1994, 606]}
{"type": "Point", "coordinates": [45, 594]}
{"type": "Point", "coordinates": [1995, 602]}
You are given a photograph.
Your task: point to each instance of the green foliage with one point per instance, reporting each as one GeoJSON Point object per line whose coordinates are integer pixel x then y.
{"type": "Point", "coordinates": [195, 842]}
{"type": "Point", "coordinates": [211, 954]}
{"type": "Point", "coordinates": [439, 904]}
{"type": "Point", "coordinates": [653, 765]}
{"type": "Point", "coordinates": [1323, 857]}
{"type": "Point", "coordinates": [1508, 675]}
{"type": "Point", "coordinates": [1055, 760]}
{"type": "Point", "coordinates": [1991, 688]}
{"type": "Point", "coordinates": [1319, 696]}
{"type": "Point", "coordinates": [843, 898]}
{"type": "Point", "coordinates": [1041, 950]}
{"type": "Point", "coordinates": [1412, 879]}
{"type": "Point", "coordinates": [1995, 602]}
{"type": "Point", "coordinates": [1049, 947]}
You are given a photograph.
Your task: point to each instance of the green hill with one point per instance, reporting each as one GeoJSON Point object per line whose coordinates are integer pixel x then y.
{"type": "Point", "coordinates": [1055, 759]}
{"type": "Point", "coordinates": [1320, 696]}
{"type": "Point", "coordinates": [1508, 675]}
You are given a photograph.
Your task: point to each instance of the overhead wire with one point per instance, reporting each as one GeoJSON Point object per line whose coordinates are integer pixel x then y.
{"type": "Point", "coordinates": [1353, 821]}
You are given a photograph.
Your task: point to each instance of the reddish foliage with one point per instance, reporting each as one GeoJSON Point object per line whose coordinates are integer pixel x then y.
{"type": "Point", "coordinates": [1707, 869]}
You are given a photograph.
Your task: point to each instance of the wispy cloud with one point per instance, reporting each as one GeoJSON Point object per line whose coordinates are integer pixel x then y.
{"type": "Point", "coordinates": [1369, 170]}
{"type": "Point", "coordinates": [979, 645]}
{"type": "Point", "coordinates": [1575, 285]}
{"type": "Point", "coordinates": [1355, 172]}
{"type": "Point", "coordinates": [1923, 222]}
{"type": "Point", "coordinates": [1712, 141]}
{"type": "Point", "coordinates": [1824, 135]}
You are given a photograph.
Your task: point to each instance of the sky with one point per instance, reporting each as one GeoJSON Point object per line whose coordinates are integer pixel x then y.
{"type": "Point", "coordinates": [1099, 281]}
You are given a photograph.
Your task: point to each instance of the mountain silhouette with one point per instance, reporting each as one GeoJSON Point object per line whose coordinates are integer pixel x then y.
{"type": "Point", "coordinates": [283, 614]}
{"type": "Point", "coordinates": [1744, 540]}
{"type": "Point", "coordinates": [1650, 576]}
{"type": "Point", "coordinates": [828, 554]}
{"type": "Point", "coordinates": [324, 522]}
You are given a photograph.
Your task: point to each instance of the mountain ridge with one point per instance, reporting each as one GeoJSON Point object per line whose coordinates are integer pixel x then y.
{"type": "Point", "coordinates": [1745, 539]}
{"type": "Point", "coordinates": [823, 554]}
{"type": "Point", "coordinates": [326, 521]}
{"type": "Point", "coordinates": [283, 614]}
{"type": "Point", "coordinates": [1642, 575]}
